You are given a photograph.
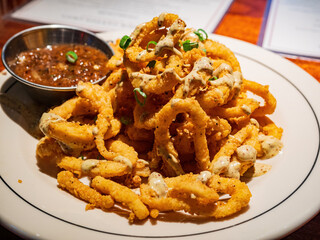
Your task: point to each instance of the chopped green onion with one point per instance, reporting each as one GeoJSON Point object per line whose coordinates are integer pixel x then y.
{"type": "Point", "coordinates": [187, 45]}
{"type": "Point", "coordinates": [213, 78]}
{"type": "Point", "coordinates": [71, 56]}
{"type": "Point", "coordinates": [142, 94]}
{"type": "Point", "coordinates": [151, 42]}
{"type": "Point", "coordinates": [125, 120]}
{"type": "Point", "coordinates": [205, 51]}
{"type": "Point", "coordinates": [200, 35]}
{"type": "Point", "coordinates": [125, 42]}
{"type": "Point", "coordinates": [151, 64]}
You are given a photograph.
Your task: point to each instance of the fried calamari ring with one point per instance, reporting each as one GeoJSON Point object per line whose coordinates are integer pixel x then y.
{"type": "Point", "coordinates": [218, 50]}
{"type": "Point", "coordinates": [68, 182]}
{"type": "Point", "coordinates": [163, 144]}
{"type": "Point", "coordinates": [262, 91]}
{"type": "Point", "coordinates": [121, 194]}
{"type": "Point", "coordinates": [101, 101]}
{"type": "Point", "coordinates": [221, 90]}
{"type": "Point", "coordinates": [239, 192]}
{"type": "Point", "coordinates": [146, 116]}
{"type": "Point", "coordinates": [123, 163]}
{"type": "Point", "coordinates": [189, 184]}
{"type": "Point", "coordinates": [49, 150]}
{"type": "Point", "coordinates": [93, 167]}
{"type": "Point", "coordinates": [73, 107]}
{"type": "Point", "coordinates": [116, 61]}
{"type": "Point", "coordinates": [221, 160]}
{"type": "Point", "coordinates": [115, 77]}
{"type": "Point", "coordinates": [72, 136]}
{"type": "Point", "coordinates": [242, 110]}
{"type": "Point", "coordinates": [269, 127]}
{"type": "Point", "coordinates": [155, 83]}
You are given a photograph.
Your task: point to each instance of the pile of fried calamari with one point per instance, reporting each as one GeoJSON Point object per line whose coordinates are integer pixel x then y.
{"type": "Point", "coordinates": [172, 128]}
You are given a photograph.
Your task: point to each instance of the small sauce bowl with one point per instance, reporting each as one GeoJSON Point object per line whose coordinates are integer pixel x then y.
{"type": "Point", "coordinates": [41, 37]}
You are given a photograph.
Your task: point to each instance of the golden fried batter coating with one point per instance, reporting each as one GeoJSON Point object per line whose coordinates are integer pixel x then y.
{"type": "Point", "coordinates": [68, 182]}
{"type": "Point", "coordinates": [121, 194]}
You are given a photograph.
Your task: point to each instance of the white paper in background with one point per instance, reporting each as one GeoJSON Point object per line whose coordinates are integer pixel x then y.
{"type": "Point", "coordinates": [111, 15]}
{"type": "Point", "coordinates": [293, 27]}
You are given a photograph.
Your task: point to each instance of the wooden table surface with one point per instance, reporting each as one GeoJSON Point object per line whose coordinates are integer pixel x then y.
{"type": "Point", "coordinates": [243, 21]}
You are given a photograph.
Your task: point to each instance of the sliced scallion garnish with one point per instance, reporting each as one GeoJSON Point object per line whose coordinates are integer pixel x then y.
{"type": "Point", "coordinates": [151, 64]}
{"type": "Point", "coordinates": [213, 78]}
{"type": "Point", "coordinates": [138, 90]}
{"type": "Point", "coordinates": [187, 45]}
{"type": "Point", "coordinates": [125, 120]}
{"type": "Point", "coordinates": [205, 50]}
{"type": "Point", "coordinates": [125, 42]}
{"type": "Point", "coordinates": [71, 56]}
{"type": "Point", "coordinates": [200, 35]}
{"type": "Point", "coordinates": [151, 42]}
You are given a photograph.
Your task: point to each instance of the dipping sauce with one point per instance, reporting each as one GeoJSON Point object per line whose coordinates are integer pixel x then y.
{"type": "Point", "coordinates": [49, 66]}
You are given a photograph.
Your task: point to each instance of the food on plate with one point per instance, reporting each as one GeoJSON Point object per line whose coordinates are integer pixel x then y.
{"type": "Point", "coordinates": [61, 65]}
{"type": "Point", "coordinates": [172, 128]}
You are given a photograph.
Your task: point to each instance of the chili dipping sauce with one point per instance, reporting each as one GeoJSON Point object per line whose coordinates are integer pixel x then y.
{"type": "Point", "coordinates": [49, 65]}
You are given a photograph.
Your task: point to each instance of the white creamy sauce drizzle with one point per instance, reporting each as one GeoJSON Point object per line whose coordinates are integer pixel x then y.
{"type": "Point", "coordinates": [246, 109]}
{"type": "Point", "coordinates": [167, 42]}
{"type": "Point", "coordinates": [46, 119]}
{"type": "Point", "coordinates": [123, 160]}
{"type": "Point", "coordinates": [95, 131]}
{"type": "Point", "coordinates": [161, 18]}
{"type": "Point", "coordinates": [157, 184]}
{"type": "Point", "coordinates": [232, 80]}
{"type": "Point", "coordinates": [271, 146]}
{"type": "Point", "coordinates": [246, 153]}
{"type": "Point", "coordinates": [189, 34]}
{"type": "Point", "coordinates": [233, 170]}
{"type": "Point", "coordinates": [238, 81]}
{"type": "Point", "coordinates": [203, 63]}
{"type": "Point", "coordinates": [221, 164]}
{"type": "Point", "coordinates": [119, 62]}
{"type": "Point", "coordinates": [146, 78]}
{"type": "Point", "coordinates": [174, 101]}
{"type": "Point", "coordinates": [260, 169]}
{"type": "Point", "coordinates": [141, 54]}
{"type": "Point", "coordinates": [68, 149]}
{"type": "Point", "coordinates": [254, 122]}
{"type": "Point", "coordinates": [193, 196]}
{"type": "Point", "coordinates": [136, 32]}
{"type": "Point", "coordinates": [222, 66]}
{"type": "Point", "coordinates": [227, 79]}
{"type": "Point", "coordinates": [204, 176]}
{"type": "Point", "coordinates": [142, 161]}
{"type": "Point", "coordinates": [88, 164]}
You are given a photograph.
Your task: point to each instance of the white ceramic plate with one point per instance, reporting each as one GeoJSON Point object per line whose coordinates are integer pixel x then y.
{"type": "Point", "coordinates": [283, 199]}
